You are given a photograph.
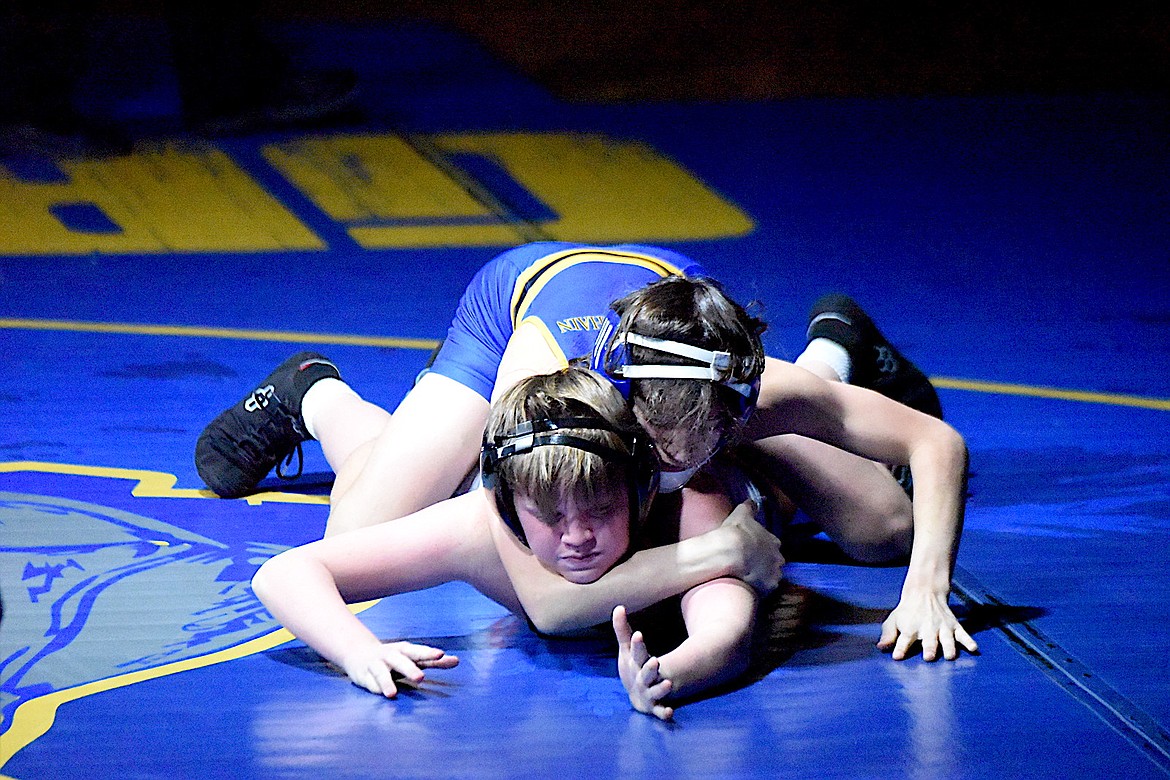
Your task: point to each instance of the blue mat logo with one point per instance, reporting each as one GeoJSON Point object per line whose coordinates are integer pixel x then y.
{"type": "Point", "coordinates": [96, 597]}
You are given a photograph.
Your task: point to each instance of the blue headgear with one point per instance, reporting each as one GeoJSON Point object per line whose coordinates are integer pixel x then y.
{"type": "Point", "coordinates": [639, 460]}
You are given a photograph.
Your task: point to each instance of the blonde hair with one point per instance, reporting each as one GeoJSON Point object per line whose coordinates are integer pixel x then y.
{"type": "Point", "coordinates": [547, 474]}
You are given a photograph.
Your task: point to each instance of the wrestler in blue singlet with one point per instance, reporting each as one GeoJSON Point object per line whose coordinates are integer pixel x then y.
{"type": "Point", "coordinates": [565, 289]}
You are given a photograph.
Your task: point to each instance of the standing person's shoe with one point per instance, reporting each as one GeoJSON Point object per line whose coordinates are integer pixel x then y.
{"type": "Point", "coordinates": [262, 431]}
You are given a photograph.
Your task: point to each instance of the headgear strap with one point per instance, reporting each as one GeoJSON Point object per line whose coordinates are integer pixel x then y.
{"type": "Point", "coordinates": [639, 460]}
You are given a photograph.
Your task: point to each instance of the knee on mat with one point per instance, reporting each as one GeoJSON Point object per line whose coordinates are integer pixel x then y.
{"type": "Point", "coordinates": [880, 538]}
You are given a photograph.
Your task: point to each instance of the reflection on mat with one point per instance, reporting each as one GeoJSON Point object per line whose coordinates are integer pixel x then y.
{"type": "Point", "coordinates": [92, 593]}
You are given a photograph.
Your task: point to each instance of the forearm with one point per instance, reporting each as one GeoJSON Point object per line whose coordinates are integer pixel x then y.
{"type": "Point", "coordinates": [923, 614]}
{"type": "Point", "coordinates": [555, 605]}
{"type": "Point", "coordinates": [940, 475]}
{"type": "Point", "coordinates": [302, 595]}
{"type": "Point", "coordinates": [700, 663]}
{"type": "Point", "coordinates": [718, 643]}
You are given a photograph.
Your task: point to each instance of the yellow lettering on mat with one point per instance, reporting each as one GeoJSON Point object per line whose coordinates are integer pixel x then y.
{"type": "Point", "coordinates": [165, 200]}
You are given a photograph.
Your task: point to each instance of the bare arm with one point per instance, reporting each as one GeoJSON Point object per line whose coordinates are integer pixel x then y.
{"type": "Point", "coordinates": [923, 613]}
{"type": "Point", "coordinates": [739, 547]}
{"type": "Point", "coordinates": [719, 617]}
{"type": "Point", "coordinates": [872, 426]}
{"type": "Point", "coordinates": [307, 588]}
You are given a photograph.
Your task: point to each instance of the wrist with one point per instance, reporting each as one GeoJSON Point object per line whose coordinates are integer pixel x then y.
{"type": "Point", "coordinates": [932, 579]}
{"type": "Point", "coordinates": [711, 555]}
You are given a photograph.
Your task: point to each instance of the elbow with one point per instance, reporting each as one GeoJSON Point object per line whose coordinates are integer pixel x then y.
{"type": "Point", "coordinates": [947, 447]}
{"type": "Point", "coordinates": [955, 447]}
{"type": "Point", "coordinates": [551, 622]}
{"type": "Point", "coordinates": [266, 580]}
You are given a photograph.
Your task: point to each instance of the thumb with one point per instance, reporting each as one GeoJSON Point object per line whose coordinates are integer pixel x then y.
{"type": "Point", "coordinates": [621, 625]}
{"type": "Point", "coordinates": [746, 510]}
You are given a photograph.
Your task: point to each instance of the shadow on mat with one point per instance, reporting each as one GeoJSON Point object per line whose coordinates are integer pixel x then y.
{"type": "Point", "coordinates": [316, 483]}
{"type": "Point", "coordinates": [797, 626]}
{"type": "Point", "coordinates": [978, 618]}
{"type": "Point", "coordinates": [495, 636]}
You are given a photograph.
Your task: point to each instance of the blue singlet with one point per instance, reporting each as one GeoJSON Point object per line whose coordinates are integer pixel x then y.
{"type": "Point", "coordinates": [564, 289]}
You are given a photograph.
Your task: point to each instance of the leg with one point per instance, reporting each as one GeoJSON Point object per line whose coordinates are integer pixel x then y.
{"type": "Point", "coordinates": [858, 503]}
{"type": "Point", "coordinates": [872, 361]}
{"type": "Point", "coordinates": [341, 420]}
{"type": "Point", "coordinates": [819, 359]}
{"type": "Point", "coordinates": [245, 441]}
{"type": "Point", "coordinates": [844, 345]}
{"type": "Point", "coordinates": [855, 501]}
{"type": "Point", "coordinates": [420, 458]}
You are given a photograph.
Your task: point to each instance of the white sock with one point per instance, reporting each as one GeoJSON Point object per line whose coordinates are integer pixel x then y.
{"type": "Point", "coordinates": [320, 396]}
{"type": "Point", "coordinates": [829, 353]}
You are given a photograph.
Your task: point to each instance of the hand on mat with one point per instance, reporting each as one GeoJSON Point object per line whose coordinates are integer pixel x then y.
{"type": "Point", "coordinates": [761, 564]}
{"type": "Point", "coordinates": [377, 667]}
{"type": "Point", "coordinates": [638, 671]}
{"type": "Point", "coordinates": [924, 616]}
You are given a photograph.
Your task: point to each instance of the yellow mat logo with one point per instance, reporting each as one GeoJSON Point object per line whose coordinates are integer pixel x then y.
{"type": "Point", "coordinates": [384, 191]}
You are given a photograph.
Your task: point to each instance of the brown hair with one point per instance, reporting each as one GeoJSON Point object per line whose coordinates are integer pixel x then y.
{"type": "Point", "coordinates": [698, 312]}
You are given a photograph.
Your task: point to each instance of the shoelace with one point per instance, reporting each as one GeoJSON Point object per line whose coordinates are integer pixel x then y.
{"type": "Point", "coordinates": [256, 444]}
{"type": "Point", "coordinates": [288, 459]}
{"type": "Point", "coordinates": [280, 409]}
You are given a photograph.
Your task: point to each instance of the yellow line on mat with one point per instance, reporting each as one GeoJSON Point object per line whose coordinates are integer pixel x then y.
{"type": "Point", "coordinates": [218, 333]}
{"type": "Point", "coordinates": [949, 383]}
{"type": "Point", "coordinates": [35, 716]}
{"type": "Point", "coordinates": [1004, 388]}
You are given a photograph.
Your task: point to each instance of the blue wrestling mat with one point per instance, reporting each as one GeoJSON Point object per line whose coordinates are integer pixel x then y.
{"type": "Point", "coordinates": [1016, 247]}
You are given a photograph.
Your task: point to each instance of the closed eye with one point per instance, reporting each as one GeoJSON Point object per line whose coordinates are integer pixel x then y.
{"type": "Point", "coordinates": [533, 510]}
{"type": "Point", "coordinates": [603, 513]}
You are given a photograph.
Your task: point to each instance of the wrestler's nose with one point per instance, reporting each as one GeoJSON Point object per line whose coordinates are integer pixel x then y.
{"type": "Point", "coordinates": [577, 531]}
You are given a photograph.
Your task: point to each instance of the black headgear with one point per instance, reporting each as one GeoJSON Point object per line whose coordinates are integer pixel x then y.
{"type": "Point", "coordinates": [639, 460]}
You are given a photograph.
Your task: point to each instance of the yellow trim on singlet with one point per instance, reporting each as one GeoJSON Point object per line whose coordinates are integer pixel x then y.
{"type": "Point", "coordinates": [549, 339]}
{"type": "Point", "coordinates": [544, 268]}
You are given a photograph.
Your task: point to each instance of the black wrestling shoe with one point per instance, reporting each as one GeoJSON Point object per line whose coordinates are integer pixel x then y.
{"type": "Point", "coordinates": [877, 364]}
{"type": "Point", "coordinates": [247, 440]}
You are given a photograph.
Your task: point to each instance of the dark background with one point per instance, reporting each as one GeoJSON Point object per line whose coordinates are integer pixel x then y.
{"type": "Point", "coordinates": [625, 50]}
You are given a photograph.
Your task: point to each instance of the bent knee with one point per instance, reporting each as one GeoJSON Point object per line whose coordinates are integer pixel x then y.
{"type": "Point", "coordinates": [880, 537]}
{"type": "Point", "coordinates": [349, 472]}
